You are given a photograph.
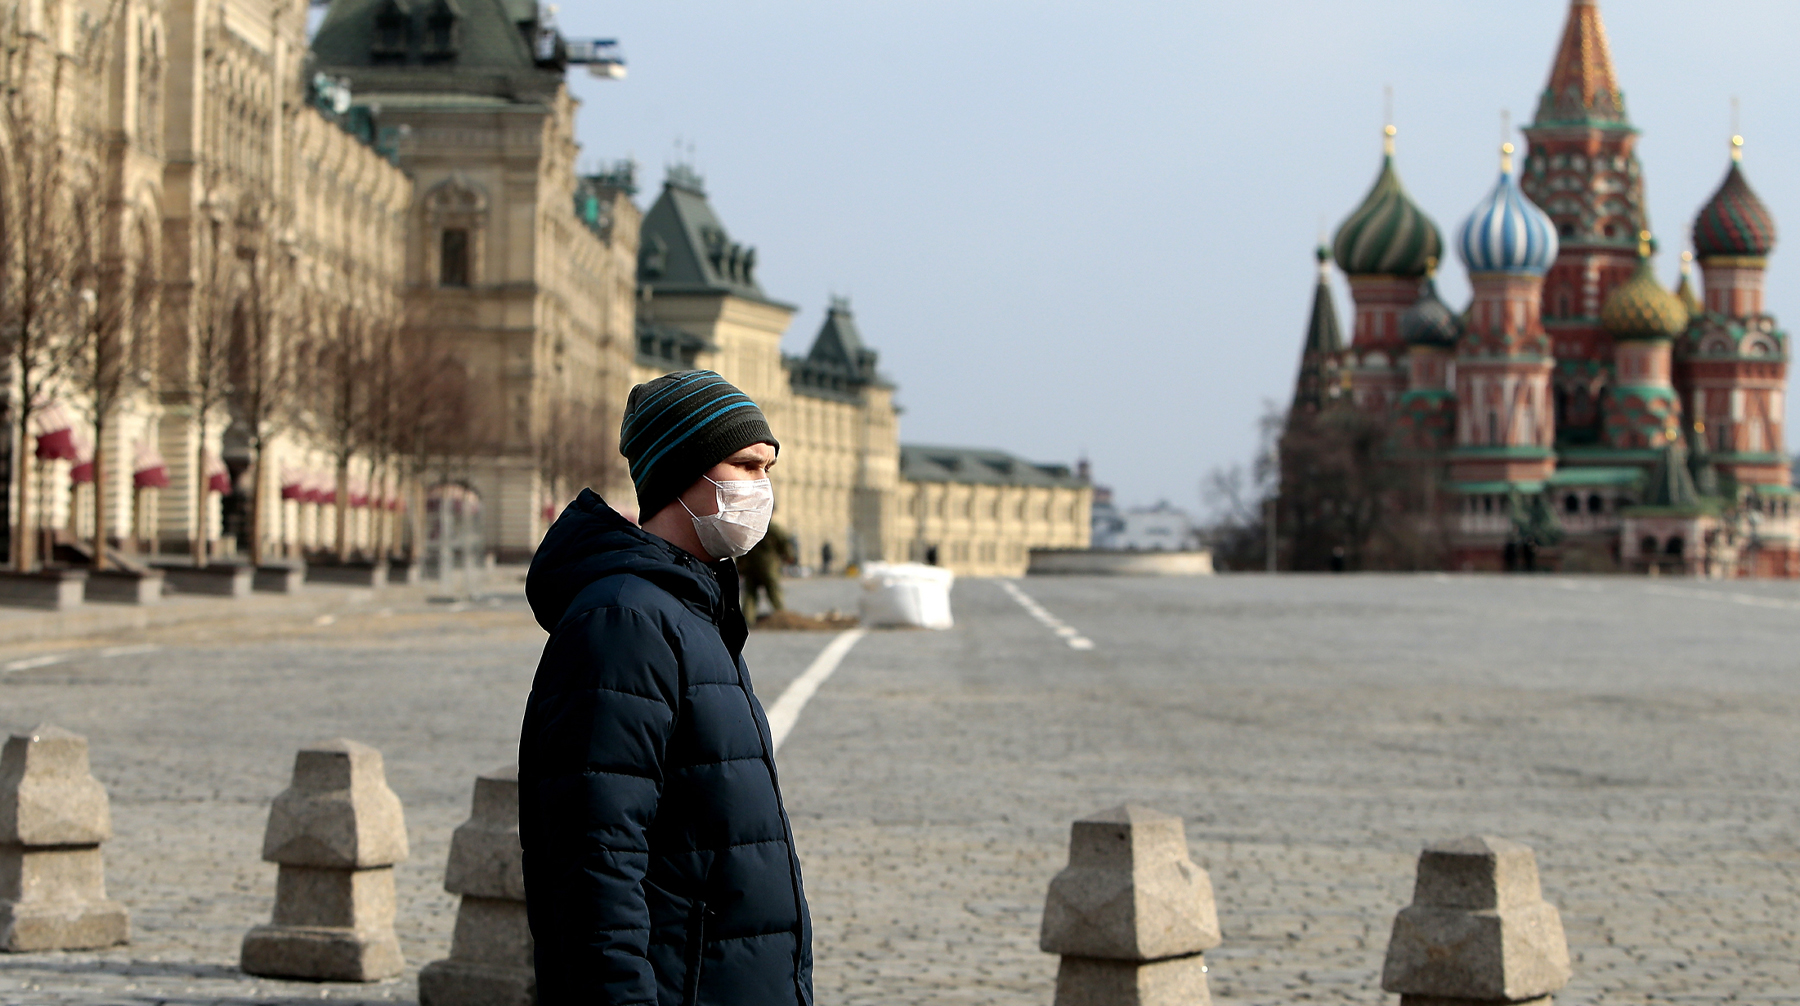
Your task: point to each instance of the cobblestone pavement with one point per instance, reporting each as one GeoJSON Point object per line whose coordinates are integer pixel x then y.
{"type": "Point", "coordinates": [1313, 731]}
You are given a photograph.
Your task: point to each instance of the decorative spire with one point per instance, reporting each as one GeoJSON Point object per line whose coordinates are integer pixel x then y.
{"type": "Point", "coordinates": [1583, 89]}
{"type": "Point", "coordinates": [1685, 289]}
{"type": "Point", "coordinates": [1313, 388]}
{"type": "Point", "coordinates": [1322, 333]}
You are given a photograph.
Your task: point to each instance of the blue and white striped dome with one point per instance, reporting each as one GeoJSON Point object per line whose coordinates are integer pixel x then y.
{"type": "Point", "coordinates": [1507, 232]}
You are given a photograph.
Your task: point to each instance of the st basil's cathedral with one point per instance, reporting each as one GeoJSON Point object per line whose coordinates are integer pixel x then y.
{"type": "Point", "coordinates": [1578, 414]}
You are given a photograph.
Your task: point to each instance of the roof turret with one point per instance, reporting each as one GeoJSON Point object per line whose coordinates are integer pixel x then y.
{"type": "Point", "coordinates": [1583, 90]}
{"type": "Point", "coordinates": [1507, 233]}
{"type": "Point", "coordinates": [1640, 307]}
{"type": "Point", "coordinates": [1322, 332]}
{"type": "Point", "coordinates": [1734, 222]}
{"type": "Point", "coordinates": [1430, 322]}
{"type": "Point", "coordinates": [1388, 235]}
{"type": "Point", "coordinates": [1685, 288]}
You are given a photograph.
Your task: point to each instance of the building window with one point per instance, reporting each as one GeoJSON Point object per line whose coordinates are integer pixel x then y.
{"type": "Point", "coordinates": [1595, 503]}
{"type": "Point", "coordinates": [1648, 545]}
{"type": "Point", "coordinates": [453, 263]}
{"type": "Point", "coordinates": [1676, 546]}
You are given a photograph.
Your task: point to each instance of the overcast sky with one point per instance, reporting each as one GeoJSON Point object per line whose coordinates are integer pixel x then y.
{"type": "Point", "coordinates": [1088, 227]}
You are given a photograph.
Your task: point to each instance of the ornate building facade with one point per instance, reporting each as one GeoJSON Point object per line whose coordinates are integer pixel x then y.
{"type": "Point", "coordinates": [1577, 413]}
{"type": "Point", "coordinates": [331, 281]}
{"type": "Point", "coordinates": [228, 208]}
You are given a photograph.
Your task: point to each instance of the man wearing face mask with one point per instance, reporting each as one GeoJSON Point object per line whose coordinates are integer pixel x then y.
{"type": "Point", "coordinates": [659, 862]}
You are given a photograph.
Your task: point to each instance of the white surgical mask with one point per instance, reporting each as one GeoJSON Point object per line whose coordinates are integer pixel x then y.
{"type": "Point", "coordinates": [742, 520]}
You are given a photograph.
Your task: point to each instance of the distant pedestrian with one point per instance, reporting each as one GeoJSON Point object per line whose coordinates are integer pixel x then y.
{"type": "Point", "coordinates": [760, 569]}
{"type": "Point", "coordinates": [659, 862]}
{"type": "Point", "coordinates": [825, 559]}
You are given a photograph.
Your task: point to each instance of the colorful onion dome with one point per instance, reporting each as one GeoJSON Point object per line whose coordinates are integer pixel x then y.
{"type": "Point", "coordinates": [1507, 232]}
{"type": "Point", "coordinates": [1430, 322]}
{"type": "Point", "coordinates": [1388, 235]}
{"type": "Point", "coordinates": [1641, 307]}
{"type": "Point", "coordinates": [1734, 222]}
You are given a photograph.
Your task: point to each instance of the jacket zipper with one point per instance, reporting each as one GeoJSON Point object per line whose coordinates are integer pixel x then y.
{"type": "Point", "coordinates": [696, 952]}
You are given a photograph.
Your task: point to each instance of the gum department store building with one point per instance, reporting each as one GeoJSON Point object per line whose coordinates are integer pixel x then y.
{"type": "Point", "coordinates": [1577, 413]}
{"type": "Point", "coordinates": [413, 165]}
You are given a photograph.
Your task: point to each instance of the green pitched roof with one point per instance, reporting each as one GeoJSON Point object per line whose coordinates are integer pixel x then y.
{"type": "Point", "coordinates": [839, 343]}
{"type": "Point", "coordinates": [488, 51]}
{"type": "Point", "coordinates": [1671, 483]}
{"type": "Point", "coordinates": [684, 247]}
{"type": "Point", "coordinates": [921, 463]}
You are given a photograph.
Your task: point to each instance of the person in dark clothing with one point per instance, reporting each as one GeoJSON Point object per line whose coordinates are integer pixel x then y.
{"type": "Point", "coordinates": [659, 861]}
{"type": "Point", "coordinates": [760, 570]}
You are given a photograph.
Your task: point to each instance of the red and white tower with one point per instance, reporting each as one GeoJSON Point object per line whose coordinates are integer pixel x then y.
{"type": "Point", "coordinates": [1582, 169]}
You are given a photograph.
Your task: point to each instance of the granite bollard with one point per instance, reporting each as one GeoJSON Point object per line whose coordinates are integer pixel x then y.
{"type": "Point", "coordinates": [53, 817]}
{"type": "Point", "coordinates": [490, 951]}
{"type": "Point", "coordinates": [1478, 930]}
{"type": "Point", "coordinates": [1131, 915]}
{"type": "Point", "coordinates": [336, 833]}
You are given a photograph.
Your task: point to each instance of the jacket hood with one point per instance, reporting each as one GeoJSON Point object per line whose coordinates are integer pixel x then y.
{"type": "Point", "coordinates": [591, 540]}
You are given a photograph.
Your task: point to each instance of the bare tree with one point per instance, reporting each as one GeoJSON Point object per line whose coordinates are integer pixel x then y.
{"type": "Point", "coordinates": [267, 361]}
{"type": "Point", "coordinates": [432, 409]}
{"type": "Point", "coordinates": [342, 386]}
{"type": "Point", "coordinates": [119, 298]}
{"type": "Point", "coordinates": [54, 193]}
{"type": "Point", "coordinates": [218, 316]}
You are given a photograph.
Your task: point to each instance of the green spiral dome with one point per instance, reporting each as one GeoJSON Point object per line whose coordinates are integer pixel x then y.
{"type": "Point", "coordinates": [1388, 235]}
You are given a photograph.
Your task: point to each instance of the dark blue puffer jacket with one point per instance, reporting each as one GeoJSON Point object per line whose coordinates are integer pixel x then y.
{"type": "Point", "coordinates": [659, 863]}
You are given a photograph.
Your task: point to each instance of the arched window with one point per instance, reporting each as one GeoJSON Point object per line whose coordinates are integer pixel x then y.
{"type": "Point", "coordinates": [455, 218]}
{"type": "Point", "coordinates": [1595, 503]}
{"type": "Point", "coordinates": [453, 257]}
{"type": "Point", "coordinates": [1572, 503]}
{"type": "Point", "coordinates": [1648, 545]}
{"type": "Point", "coordinates": [1676, 546]}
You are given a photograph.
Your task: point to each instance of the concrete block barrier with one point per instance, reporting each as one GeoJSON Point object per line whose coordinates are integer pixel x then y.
{"type": "Point", "coordinates": [1131, 915]}
{"type": "Point", "coordinates": [336, 833]}
{"type": "Point", "coordinates": [490, 952]}
{"type": "Point", "coordinates": [1478, 930]}
{"type": "Point", "coordinates": [53, 818]}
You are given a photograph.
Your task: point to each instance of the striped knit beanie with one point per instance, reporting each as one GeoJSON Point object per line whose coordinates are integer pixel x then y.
{"type": "Point", "coordinates": [678, 426]}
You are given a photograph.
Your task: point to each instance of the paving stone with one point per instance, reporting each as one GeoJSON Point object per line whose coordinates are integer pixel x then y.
{"type": "Point", "coordinates": [1313, 732]}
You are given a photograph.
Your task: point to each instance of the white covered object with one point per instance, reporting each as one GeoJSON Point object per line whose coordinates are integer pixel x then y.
{"type": "Point", "coordinates": [906, 593]}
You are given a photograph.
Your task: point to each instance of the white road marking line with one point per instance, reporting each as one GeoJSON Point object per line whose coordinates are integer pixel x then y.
{"type": "Point", "coordinates": [29, 662]}
{"type": "Point", "coordinates": [1069, 634]}
{"type": "Point", "coordinates": [786, 710]}
{"type": "Point", "coordinates": [129, 651]}
{"type": "Point", "coordinates": [50, 659]}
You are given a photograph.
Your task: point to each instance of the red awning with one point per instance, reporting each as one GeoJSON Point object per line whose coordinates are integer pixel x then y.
{"type": "Point", "coordinates": [83, 472]}
{"type": "Point", "coordinates": [154, 477]}
{"type": "Point", "coordinates": [219, 482]}
{"type": "Point", "coordinates": [57, 445]}
{"type": "Point", "coordinates": [293, 491]}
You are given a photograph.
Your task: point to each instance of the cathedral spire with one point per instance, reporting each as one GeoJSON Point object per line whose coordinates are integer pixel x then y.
{"type": "Point", "coordinates": [1583, 90]}
{"type": "Point", "coordinates": [1315, 387]}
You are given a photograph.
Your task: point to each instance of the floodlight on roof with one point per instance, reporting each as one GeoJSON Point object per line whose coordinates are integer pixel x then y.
{"type": "Point", "coordinates": [602, 56]}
